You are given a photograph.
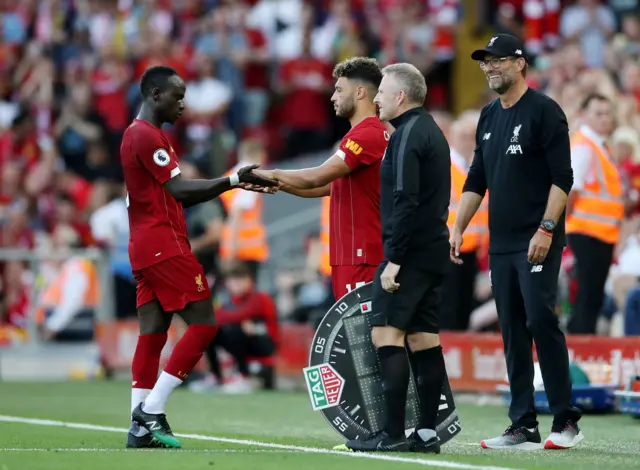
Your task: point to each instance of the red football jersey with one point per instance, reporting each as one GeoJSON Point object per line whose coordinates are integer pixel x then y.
{"type": "Point", "coordinates": [355, 233]}
{"type": "Point", "coordinates": [156, 220]}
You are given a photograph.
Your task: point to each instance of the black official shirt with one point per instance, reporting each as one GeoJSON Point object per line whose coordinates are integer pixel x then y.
{"type": "Point", "coordinates": [415, 190]}
{"type": "Point", "coordinates": [520, 152]}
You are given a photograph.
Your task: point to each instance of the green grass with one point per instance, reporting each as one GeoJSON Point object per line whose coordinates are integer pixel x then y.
{"type": "Point", "coordinates": [612, 442]}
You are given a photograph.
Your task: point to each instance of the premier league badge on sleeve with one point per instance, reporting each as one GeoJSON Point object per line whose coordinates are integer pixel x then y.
{"type": "Point", "coordinates": [343, 377]}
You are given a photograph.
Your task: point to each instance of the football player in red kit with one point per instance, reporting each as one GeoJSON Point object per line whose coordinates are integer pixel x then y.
{"type": "Point", "coordinates": [351, 176]}
{"type": "Point", "coordinates": [169, 278]}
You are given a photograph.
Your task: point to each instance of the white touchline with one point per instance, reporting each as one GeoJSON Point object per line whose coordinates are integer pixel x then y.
{"type": "Point", "coordinates": [107, 450]}
{"type": "Point", "coordinates": [268, 445]}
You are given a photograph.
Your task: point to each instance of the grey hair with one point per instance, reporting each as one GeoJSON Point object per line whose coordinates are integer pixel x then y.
{"type": "Point", "coordinates": [410, 80]}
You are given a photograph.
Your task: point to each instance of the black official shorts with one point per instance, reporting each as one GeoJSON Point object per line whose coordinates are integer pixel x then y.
{"type": "Point", "coordinates": [413, 308]}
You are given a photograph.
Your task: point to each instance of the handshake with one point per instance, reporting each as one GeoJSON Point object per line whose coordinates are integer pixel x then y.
{"type": "Point", "coordinates": [261, 181]}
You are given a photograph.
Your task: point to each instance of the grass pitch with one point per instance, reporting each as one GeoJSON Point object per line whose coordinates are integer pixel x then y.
{"type": "Point", "coordinates": [81, 425]}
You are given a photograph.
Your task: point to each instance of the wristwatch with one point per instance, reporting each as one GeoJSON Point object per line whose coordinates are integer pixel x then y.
{"type": "Point", "coordinates": [548, 225]}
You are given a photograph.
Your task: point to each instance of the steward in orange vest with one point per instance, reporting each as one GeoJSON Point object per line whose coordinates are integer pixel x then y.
{"type": "Point", "coordinates": [244, 236]}
{"type": "Point", "coordinates": [598, 207]}
{"type": "Point", "coordinates": [595, 211]}
{"type": "Point", "coordinates": [73, 292]}
{"type": "Point", "coordinates": [458, 299]}
{"type": "Point", "coordinates": [459, 284]}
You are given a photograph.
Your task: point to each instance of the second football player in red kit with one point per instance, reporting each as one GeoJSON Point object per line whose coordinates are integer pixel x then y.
{"type": "Point", "coordinates": [351, 176]}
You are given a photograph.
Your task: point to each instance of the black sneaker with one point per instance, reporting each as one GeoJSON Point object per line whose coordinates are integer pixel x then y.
{"type": "Point", "coordinates": [430, 446]}
{"type": "Point", "coordinates": [515, 437]}
{"type": "Point", "coordinates": [379, 442]}
{"type": "Point", "coordinates": [564, 436]}
{"type": "Point", "coordinates": [157, 425]}
{"type": "Point", "coordinates": [143, 442]}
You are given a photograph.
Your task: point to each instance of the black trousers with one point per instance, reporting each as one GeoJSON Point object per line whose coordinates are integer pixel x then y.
{"type": "Point", "coordinates": [525, 296]}
{"type": "Point", "coordinates": [592, 261]}
{"type": "Point", "coordinates": [125, 292]}
{"type": "Point", "coordinates": [458, 293]}
{"type": "Point", "coordinates": [241, 346]}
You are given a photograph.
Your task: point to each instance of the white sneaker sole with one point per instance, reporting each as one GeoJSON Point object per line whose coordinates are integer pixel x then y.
{"type": "Point", "coordinates": [550, 444]}
{"type": "Point", "coordinates": [524, 446]}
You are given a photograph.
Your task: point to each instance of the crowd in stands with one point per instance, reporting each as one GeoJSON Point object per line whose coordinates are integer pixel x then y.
{"type": "Point", "coordinates": [258, 76]}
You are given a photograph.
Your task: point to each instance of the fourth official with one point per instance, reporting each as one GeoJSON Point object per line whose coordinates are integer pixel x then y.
{"type": "Point", "coordinates": [415, 189]}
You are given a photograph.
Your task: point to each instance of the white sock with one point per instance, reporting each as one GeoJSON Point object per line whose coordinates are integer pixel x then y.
{"type": "Point", "coordinates": [154, 404]}
{"type": "Point", "coordinates": [138, 395]}
{"type": "Point", "coordinates": [426, 434]}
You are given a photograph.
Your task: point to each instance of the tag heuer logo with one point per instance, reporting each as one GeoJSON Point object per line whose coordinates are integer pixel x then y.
{"type": "Point", "coordinates": [325, 386]}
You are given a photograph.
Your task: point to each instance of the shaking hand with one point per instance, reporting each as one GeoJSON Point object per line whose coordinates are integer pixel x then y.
{"type": "Point", "coordinates": [260, 189]}
{"type": "Point", "coordinates": [250, 174]}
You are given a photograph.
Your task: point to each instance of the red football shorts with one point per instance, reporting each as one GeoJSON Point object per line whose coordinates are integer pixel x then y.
{"type": "Point", "coordinates": [347, 278]}
{"type": "Point", "coordinates": [175, 282]}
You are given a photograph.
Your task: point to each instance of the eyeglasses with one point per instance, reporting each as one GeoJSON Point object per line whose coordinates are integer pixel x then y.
{"type": "Point", "coordinates": [494, 63]}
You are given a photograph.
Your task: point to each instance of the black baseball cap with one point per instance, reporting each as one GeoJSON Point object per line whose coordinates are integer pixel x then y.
{"type": "Point", "coordinates": [501, 45]}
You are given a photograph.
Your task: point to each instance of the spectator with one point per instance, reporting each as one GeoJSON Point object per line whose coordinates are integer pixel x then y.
{"type": "Point", "coordinates": [248, 329]}
{"type": "Point", "coordinates": [626, 150]}
{"type": "Point", "coordinates": [16, 231]}
{"type": "Point", "coordinates": [77, 127]}
{"type": "Point", "coordinates": [14, 295]}
{"type": "Point", "coordinates": [224, 40]}
{"type": "Point", "coordinates": [19, 144]}
{"type": "Point", "coordinates": [627, 42]}
{"type": "Point", "coordinates": [109, 81]}
{"type": "Point", "coordinates": [206, 101]}
{"type": "Point", "coordinates": [256, 73]}
{"type": "Point", "coordinates": [304, 84]}
{"type": "Point", "coordinates": [110, 229]}
{"type": "Point", "coordinates": [591, 24]}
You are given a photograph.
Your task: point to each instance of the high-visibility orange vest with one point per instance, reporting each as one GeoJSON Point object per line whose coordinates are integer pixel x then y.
{"type": "Point", "coordinates": [325, 265]}
{"type": "Point", "coordinates": [252, 238]}
{"type": "Point", "coordinates": [477, 232]}
{"type": "Point", "coordinates": [52, 296]}
{"type": "Point", "coordinates": [599, 207]}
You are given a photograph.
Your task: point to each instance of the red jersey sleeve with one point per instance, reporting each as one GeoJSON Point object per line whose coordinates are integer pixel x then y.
{"type": "Point", "coordinates": [363, 146]}
{"type": "Point", "coordinates": [156, 155]}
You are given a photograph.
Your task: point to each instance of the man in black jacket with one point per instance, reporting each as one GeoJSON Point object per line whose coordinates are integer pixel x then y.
{"type": "Point", "coordinates": [415, 189]}
{"type": "Point", "coordinates": [523, 158]}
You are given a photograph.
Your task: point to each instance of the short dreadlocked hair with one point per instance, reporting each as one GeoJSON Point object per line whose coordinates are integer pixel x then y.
{"type": "Point", "coordinates": [365, 69]}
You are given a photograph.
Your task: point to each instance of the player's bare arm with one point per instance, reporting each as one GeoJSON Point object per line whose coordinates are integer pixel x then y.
{"type": "Point", "coordinates": [190, 192]}
{"type": "Point", "coordinates": [307, 193]}
{"type": "Point", "coordinates": [309, 178]}
{"type": "Point", "coordinates": [357, 80]}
